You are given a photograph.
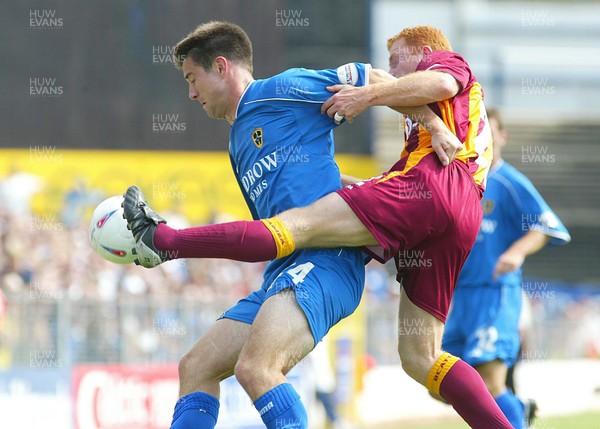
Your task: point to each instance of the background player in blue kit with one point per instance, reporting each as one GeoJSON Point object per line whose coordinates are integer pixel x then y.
{"type": "Point", "coordinates": [482, 327]}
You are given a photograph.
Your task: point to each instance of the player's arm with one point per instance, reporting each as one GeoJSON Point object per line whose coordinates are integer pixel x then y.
{"type": "Point", "coordinates": [445, 144]}
{"type": "Point", "coordinates": [415, 89]}
{"type": "Point", "coordinates": [515, 255]}
{"type": "Point", "coordinates": [379, 76]}
{"type": "Point", "coordinates": [443, 141]}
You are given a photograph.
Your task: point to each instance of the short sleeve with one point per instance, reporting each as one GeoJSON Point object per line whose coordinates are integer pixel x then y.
{"type": "Point", "coordinates": [310, 85]}
{"type": "Point", "coordinates": [537, 215]}
{"type": "Point", "coordinates": [451, 63]}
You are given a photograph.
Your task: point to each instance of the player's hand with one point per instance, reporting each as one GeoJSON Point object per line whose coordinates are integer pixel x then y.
{"type": "Point", "coordinates": [508, 262]}
{"type": "Point", "coordinates": [347, 102]}
{"type": "Point", "coordinates": [446, 145]}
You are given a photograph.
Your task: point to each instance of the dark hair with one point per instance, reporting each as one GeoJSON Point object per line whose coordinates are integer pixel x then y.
{"type": "Point", "coordinates": [493, 113]}
{"type": "Point", "coordinates": [211, 40]}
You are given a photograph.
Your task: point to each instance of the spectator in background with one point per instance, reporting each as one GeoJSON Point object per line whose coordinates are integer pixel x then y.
{"type": "Point", "coordinates": [79, 198]}
{"type": "Point", "coordinates": [483, 325]}
{"type": "Point", "coordinates": [17, 189]}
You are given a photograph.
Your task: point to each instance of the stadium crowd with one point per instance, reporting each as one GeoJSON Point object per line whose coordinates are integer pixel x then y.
{"type": "Point", "coordinates": [58, 297]}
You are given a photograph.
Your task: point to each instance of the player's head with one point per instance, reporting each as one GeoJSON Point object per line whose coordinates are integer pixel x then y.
{"type": "Point", "coordinates": [408, 48]}
{"type": "Point", "coordinates": [212, 40]}
{"type": "Point", "coordinates": [499, 134]}
{"type": "Point", "coordinates": [214, 58]}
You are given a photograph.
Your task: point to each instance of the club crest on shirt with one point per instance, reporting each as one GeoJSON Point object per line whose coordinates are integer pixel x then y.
{"type": "Point", "coordinates": [488, 206]}
{"type": "Point", "coordinates": [257, 137]}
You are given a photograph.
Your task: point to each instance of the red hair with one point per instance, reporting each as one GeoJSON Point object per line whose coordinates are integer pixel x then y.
{"type": "Point", "coordinates": [422, 35]}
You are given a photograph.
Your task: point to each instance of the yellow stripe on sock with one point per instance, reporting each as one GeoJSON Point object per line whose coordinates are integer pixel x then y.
{"type": "Point", "coordinates": [439, 370]}
{"type": "Point", "coordinates": [282, 236]}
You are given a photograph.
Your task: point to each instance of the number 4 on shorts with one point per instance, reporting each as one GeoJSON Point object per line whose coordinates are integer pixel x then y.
{"type": "Point", "coordinates": [299, 272]}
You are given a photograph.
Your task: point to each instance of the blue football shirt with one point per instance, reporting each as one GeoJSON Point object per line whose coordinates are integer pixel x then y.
{"type": "Point", "coordinates": [511, 207]}
{"type": "Point", "coordinates": [281, 145]}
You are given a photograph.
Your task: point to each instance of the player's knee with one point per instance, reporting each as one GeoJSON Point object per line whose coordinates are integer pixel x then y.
{"type": "Point", "coordinates": [414, 362]}
{"type": "Point", "coordinates": [188, 365]}
{"type": "Point", "coordinates": [410, 366]}
{"type": "Point", "coordinates": [196, 368]}
{"type": "Point", "coordinates": [493, 374]}
{"type": "Point", "coordinates": [247, 372]}
{"type": "Point", "coordinates": [408, 360]}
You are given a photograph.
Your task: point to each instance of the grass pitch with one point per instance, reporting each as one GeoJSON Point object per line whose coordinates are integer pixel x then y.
{"type": "Point", "coordinates": [589, 420]}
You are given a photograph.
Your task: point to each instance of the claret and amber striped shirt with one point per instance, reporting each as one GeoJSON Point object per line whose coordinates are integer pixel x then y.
{"type": "Point", "coordinates": [464, 114]}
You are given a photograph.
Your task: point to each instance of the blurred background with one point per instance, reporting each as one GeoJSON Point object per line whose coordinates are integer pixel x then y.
{"type": "Point", "coordinates": [91, 103]}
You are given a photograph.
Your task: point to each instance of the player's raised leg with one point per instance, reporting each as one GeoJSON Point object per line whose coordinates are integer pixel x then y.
{"type": "Point", "coordinates": [329, 222]}
{"type": "Point", "coordinates": [280, 338]}
{"type": "Point", "coordinates": [211, 360]}
{"type": "Point", "coordinates": [156, 242]}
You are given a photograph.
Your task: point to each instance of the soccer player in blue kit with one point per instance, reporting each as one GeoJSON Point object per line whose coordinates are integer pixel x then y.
{"type": "Point", "coordinates": [482, 327]}
{"type": "Point", "coordinates": [281, 149]}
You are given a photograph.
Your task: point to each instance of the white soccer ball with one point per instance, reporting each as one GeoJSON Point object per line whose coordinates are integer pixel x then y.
{"type": "Point", "coordinates": [108, 232]}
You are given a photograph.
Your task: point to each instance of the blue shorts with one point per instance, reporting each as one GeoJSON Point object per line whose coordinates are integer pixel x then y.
{"type": "Point", "coordinates": [328, 285]}
{"type": "Point", "coordinates": [483, 324]}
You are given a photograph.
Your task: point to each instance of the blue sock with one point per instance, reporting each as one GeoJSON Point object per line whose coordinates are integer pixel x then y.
{"type": "Point", "coordinates": [513, 409]}
{"type": "Point", "coordinates": [281, 408]}
{"type": "Point", "coordinates": [196, 410]}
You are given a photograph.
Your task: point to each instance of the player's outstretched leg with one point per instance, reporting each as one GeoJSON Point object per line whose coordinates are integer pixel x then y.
{"type": "Point", "coordinates": [248, 241]}
{"type": "Point", "coordinates": [142, 220]}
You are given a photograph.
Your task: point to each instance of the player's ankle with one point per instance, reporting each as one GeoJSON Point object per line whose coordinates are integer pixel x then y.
{"type": "Point", "coordinates": [164, 237]}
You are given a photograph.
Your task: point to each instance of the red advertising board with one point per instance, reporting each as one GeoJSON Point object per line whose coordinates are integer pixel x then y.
{"type": "Point", "coordinates": [143, 397]}
{"type": "Point", "coordinates": [124, 396]}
